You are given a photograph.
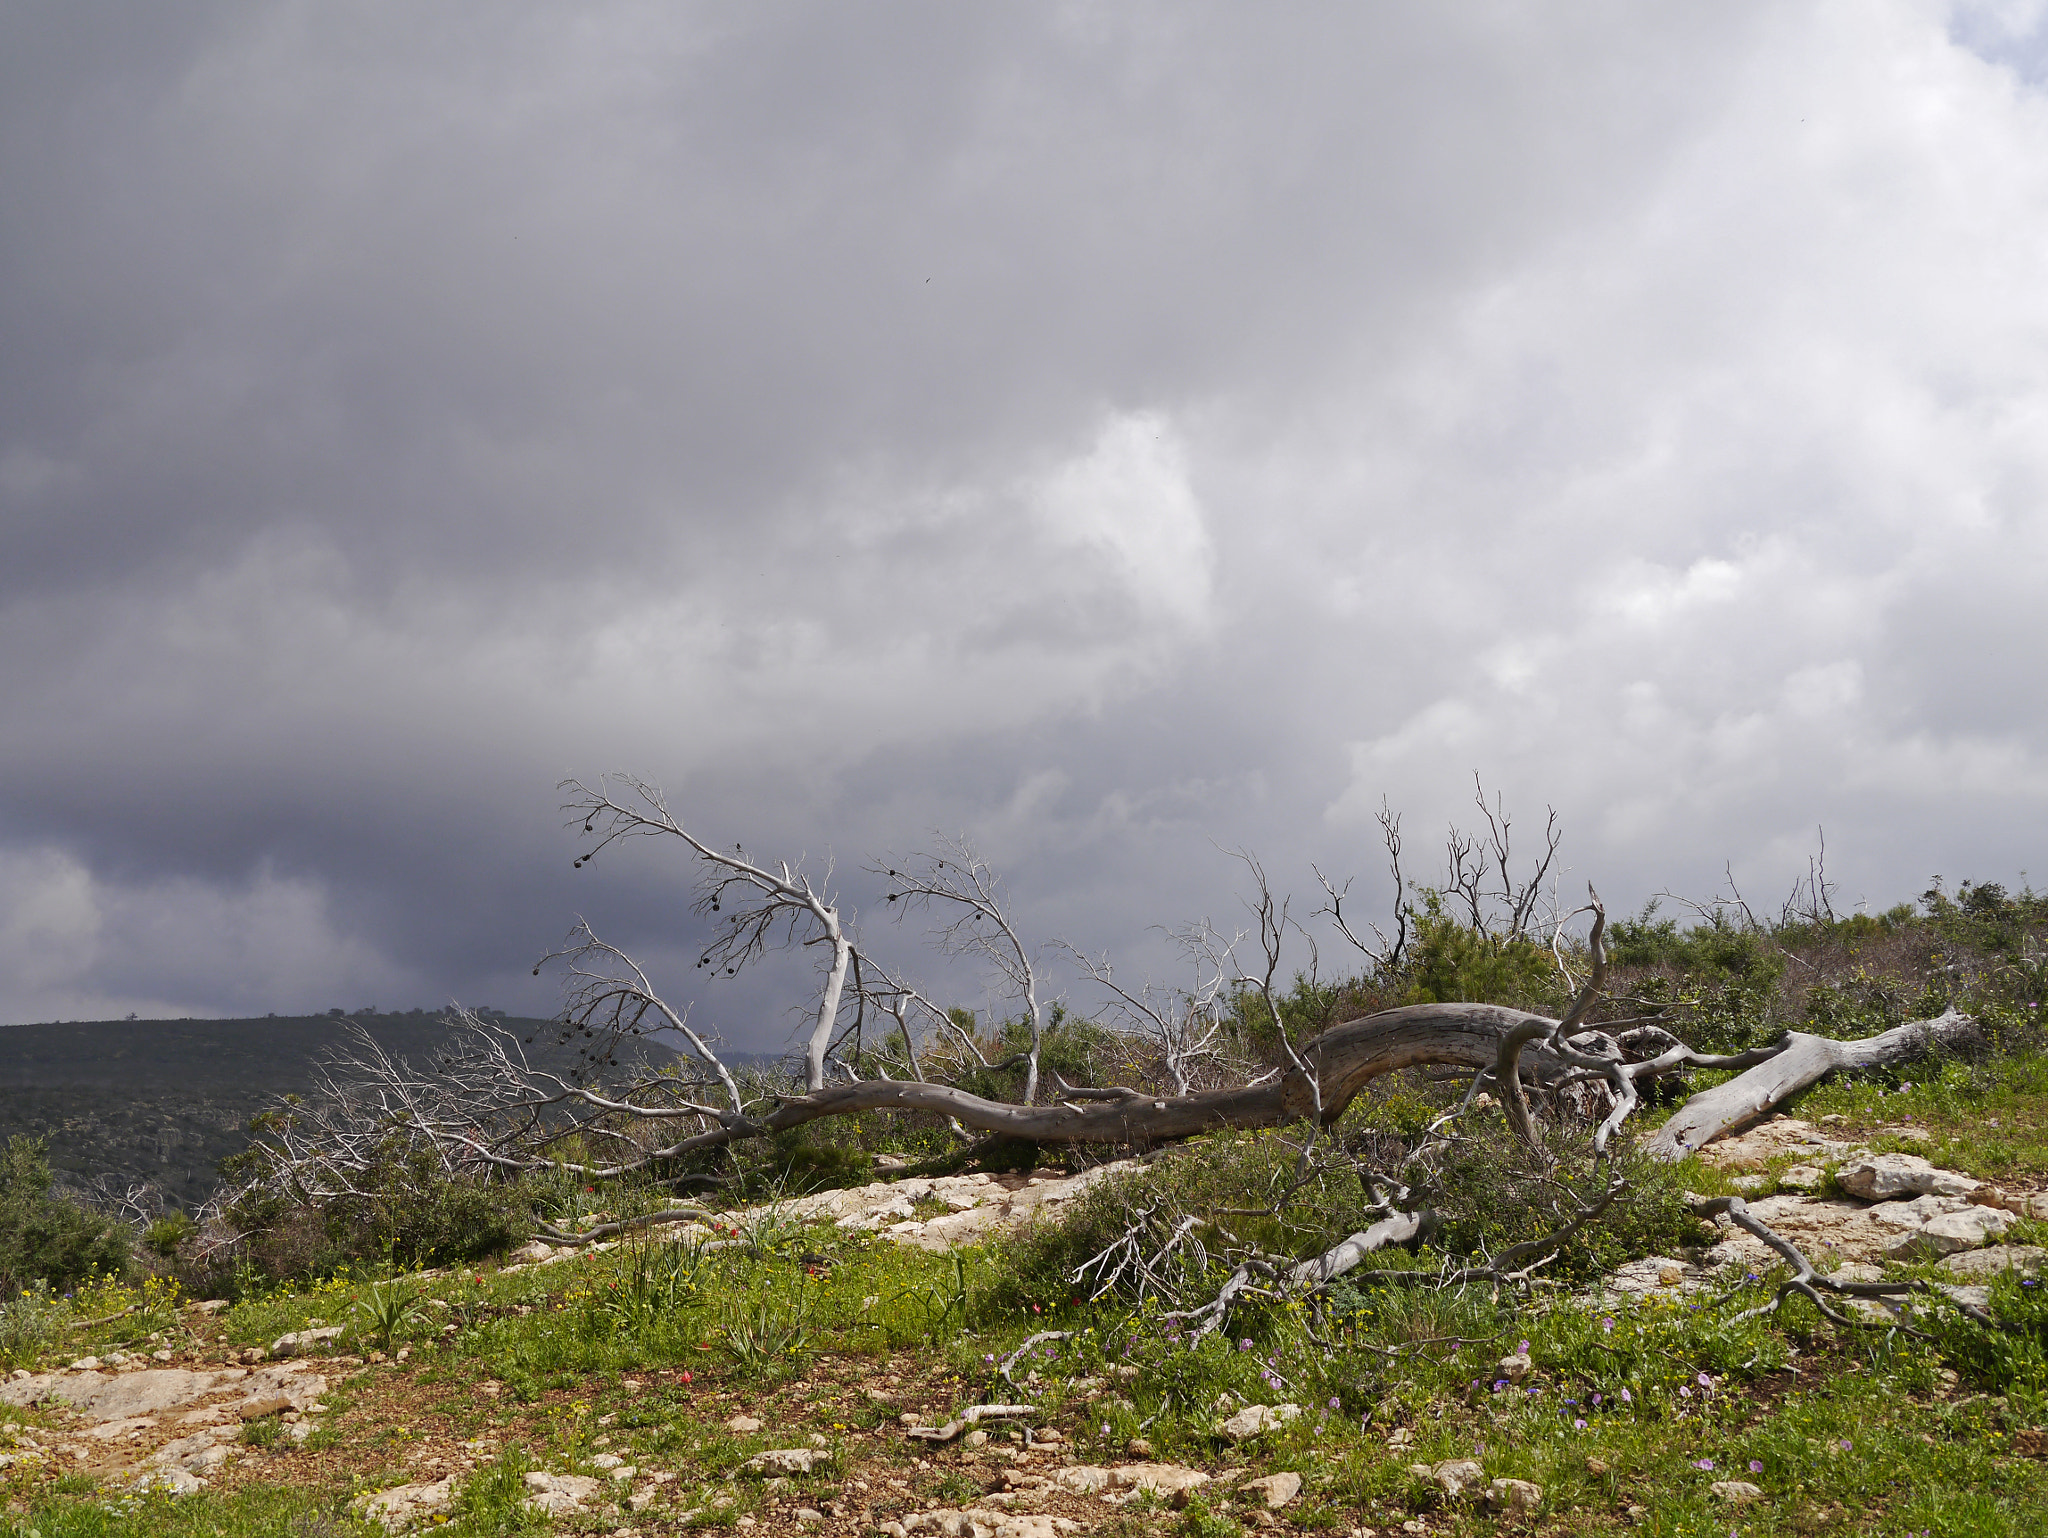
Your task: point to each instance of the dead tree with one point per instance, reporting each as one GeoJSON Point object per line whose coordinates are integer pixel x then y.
{"type": "Point", "coordinates": [753, 908]}
{"type": "Point", "coordinates": [486, 1107]}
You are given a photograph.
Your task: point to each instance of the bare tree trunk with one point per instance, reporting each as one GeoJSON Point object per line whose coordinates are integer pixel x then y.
{"type": "Point", "coordinates": [1804, 1062]}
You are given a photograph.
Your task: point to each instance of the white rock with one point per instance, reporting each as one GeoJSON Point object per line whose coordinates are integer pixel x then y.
{"type": "Point", "coordinates": [1456, 1475]}
{"type": "Point", "coordinates": [2026, 1258]}
{"type": "Point", "coordinates": [1275, 1489]}
{"type": "Point", "coordinates": [1806, 1178]}
{"type": "Point", "coordinates": [1256, 1420]}
{"type": "Point", "coordinates": [743, 1425]}
{"type": "Point", "coordinates": [301, 1341]}
{"type": "Point", "coordinates": [560, 1494]}
{"type": "Point", "coordinates": [1516, 1497]}
{"type": "Point", "coordinates": [1737, 1492]}
{"type": "Point", "coordinates": [1882, 1177]}
{"type": "Point", "coordinates": [1950, 1232]}
{"type": "Point", "coordinates": [786, 1460]}
{"type": "Point", "coordinates": [403, 1506]}
{"type": "Point", "coordinates": [1168, 1479]}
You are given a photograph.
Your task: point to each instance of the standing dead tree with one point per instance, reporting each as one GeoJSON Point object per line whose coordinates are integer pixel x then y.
{"type": "Point", "coordinates": [753, 907]}
{"type": "Point", "coordinates": [965, 894]}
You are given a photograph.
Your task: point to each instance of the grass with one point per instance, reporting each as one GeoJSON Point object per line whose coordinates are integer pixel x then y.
{"type": "Point", "coordinates": [1638, 1404]}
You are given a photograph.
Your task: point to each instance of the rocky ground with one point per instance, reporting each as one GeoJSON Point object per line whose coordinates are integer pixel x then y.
{"type": "Point", "coordinates": [860, 1443]}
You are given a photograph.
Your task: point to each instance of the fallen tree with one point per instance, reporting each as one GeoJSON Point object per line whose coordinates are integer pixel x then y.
{"type": "Point", "coordinates": [485, 1109]}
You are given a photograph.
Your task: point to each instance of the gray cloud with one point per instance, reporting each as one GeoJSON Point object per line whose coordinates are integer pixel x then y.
{"type": "Point", "coordinates": [1103, 430]}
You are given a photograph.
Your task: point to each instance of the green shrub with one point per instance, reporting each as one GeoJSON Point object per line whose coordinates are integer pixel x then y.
{"type": "Point", "coordinates": [48, 1238]}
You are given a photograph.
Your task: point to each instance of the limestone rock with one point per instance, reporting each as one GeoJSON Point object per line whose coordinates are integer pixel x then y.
{"type": "Point", "coordinates": [302, 1342]}
{"type": "Point", "coordinates": [743, 1425]}
{"type": "Point", "coordinates": [1171, 1480]}
{"type": "Point", "coordinates": [2024, 1258]}
{"type": "Point", "coordinates": [1950, 1232]}
{"type": "Point", "coordinates": [1456, 1476]}
{"type": "Point", "coordinates": [173, 1481]}
{"type": "Point", "coordinates": [1883, 1177]}
{"type": "Point", "coordinates": [560, 1494]}
{"type": "Point", "coordinates": [1514, 1368]}
{"type": "Point", "coordinates": [108, 1397]}
{"type": "Point", "coordinates": [1081, 1478]}
{"type": "Point", "coordinates": [1275, 1489]}
{"type": "Point", "coordinates": [1781, 1135]}
{"type": "Point", "coordinates": [1804, 1178]}
{"type": "Point", "coordinates": [1517, 1497]}
{"type": "Point", "coordinates": [404, 1506]}
{"type": "Point", "coordinates": [1257, 1419]}
{"type": "Point", "coordinates": [787, 1460]}
{"type": "Point", "coordinates": [1736, 1492]}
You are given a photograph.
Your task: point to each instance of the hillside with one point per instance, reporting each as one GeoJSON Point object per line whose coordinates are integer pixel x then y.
{"type": "Point", "coordinates": [164, 1101]}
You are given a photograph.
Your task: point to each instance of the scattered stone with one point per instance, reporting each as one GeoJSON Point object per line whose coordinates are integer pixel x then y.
{"type": "Point", "coordinates": [1736, 1492]}
{"type": "Point", "coordinates": [2024, 1258]}
{"type": "Point", "coordinates": [301, 1342]}
{"type": "Point", "coordinates": [1517, 1497]}
{"type": "Point", "coordinates": [743, 1425]}
{"type": "Point", "coordinates": [1171, 1480]}
{"type": "Point", "coordinates": [1884, 1177]}
{"type": "Point", "coordinates": [1950, 1232]}
{"type": "Point", "coordinates": [1275, 1489]}
{"type": "Point", "coordinates": [1773, 1139]}
{"type": "Point", "coordinates": [1596, 1466]}
{"type": "Point", "coordinates": [1805, 1178]}
{"type": "Point", "coordinates": [404, 1506]}
{"type": "Point", "coordinates": [1400, 1437]}
{"type": "Point", "coordinates": [1081, 1478]}
{"type": "Point", "coordinates": [1456, 1475]}
{"type": "Point", "coordinates": [1258, 1419]}
{"type": "Point", "coordinates": [257, 1406]}
{"type": "Point", "coordinates": [808, 1514]}
{"type": "Point", "coordinates": [1514, 1368]}
{"type": "Point", "coordinates": [786, 1460]}
{"type": "Point", "coordinates": [1652, 1273]}
{"type": "Point", "coordinates": [608, 1461]}
{"type": "Point", "coordinates": [559, 1495]}
{"type": "Point", "coordinates": [1139, 1447]}
{"type": "Point", "coordinates": [172, 1481]}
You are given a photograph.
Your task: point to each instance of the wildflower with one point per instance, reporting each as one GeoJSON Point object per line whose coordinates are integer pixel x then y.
{"type": "Point", "coordinates": [1684, 1392]}
{"type": "Point", "coordinates": [1703, 1463]}
{"type": "Point", "coordinates": [1607, 1325]}
{"type": "Point", "coordinates": [1847, 1445]}
{"type": "Point", "coordinates": [1499, 1384]}
{"type": "Point", "coordinates": [1522, 1349]}
{"type": "Point", "coordinates": [1627, 1397]}
{"type": "Point", "coordinates": [1578, 1425]}
{"type": "Point", "coordinates": [1704, 1381]}
{"type": "Point", "coordinates": [688, 1376]}
{"type": "Point", "coordinates": [1756, 1466]}
{"type": "Point", "coordinates": [1244, 1345]}
{"type": "Point", "coordinates": [1337, 1404]}
{"type": "Point", "coordinates": [1596, 1399]}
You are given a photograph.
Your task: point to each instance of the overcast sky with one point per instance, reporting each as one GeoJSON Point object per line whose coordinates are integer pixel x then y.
{"type": "Point", "coordinates": [1110, 431]}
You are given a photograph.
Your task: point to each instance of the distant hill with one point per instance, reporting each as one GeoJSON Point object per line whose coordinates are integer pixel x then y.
{"type": "Point", "coordinates": [166, 1100]}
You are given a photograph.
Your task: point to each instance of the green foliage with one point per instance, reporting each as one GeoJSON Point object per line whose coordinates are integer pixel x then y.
{"type": "Point", "coordinates": [168, 1232]}
{"type": "Point", "coordinates": [405, 1213]}
{"type": "Point", "coordinates": [1450, 962]}
{"type": "Point", "coordinates": [807, 1159]}
{"type": "Point", "coordinates": [386, 1310]}
{"type": "Point", "coordinates": [47, 1238]}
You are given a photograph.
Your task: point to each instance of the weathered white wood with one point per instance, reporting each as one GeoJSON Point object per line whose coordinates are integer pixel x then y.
{"type": "Point", "coordinates": [1804, 1062]}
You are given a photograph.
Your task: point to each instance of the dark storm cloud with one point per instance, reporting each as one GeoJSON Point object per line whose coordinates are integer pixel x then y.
{"type": "Point", "coordinates": [1105, 429]}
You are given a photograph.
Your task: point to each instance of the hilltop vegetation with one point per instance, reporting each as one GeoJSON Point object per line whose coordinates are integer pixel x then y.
{"type": "Point", "coordinates": [1627, 1411]}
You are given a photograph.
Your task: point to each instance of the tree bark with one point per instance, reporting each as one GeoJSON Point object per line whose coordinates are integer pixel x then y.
{"type": "Point", "coordinates": [1805, 1061]}
{"type": "Point", "coordinates": [1345, 1058]}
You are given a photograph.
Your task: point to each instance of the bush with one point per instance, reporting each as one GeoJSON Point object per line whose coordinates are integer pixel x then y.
{"type": "Point", "coordinates": [48, 1238]}
{"type": "Point", "coordinates": [405, 1213]}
